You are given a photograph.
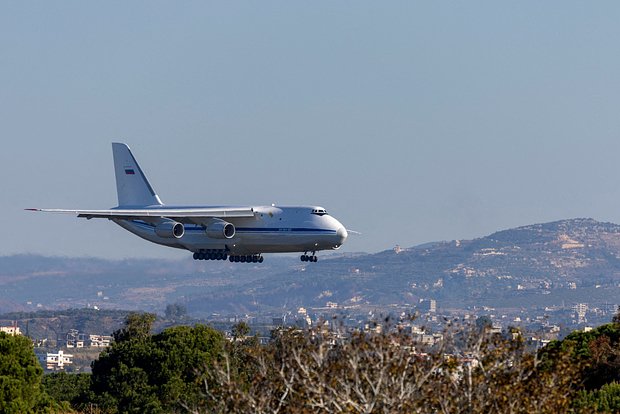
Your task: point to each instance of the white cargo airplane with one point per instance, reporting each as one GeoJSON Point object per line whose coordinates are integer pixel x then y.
{"type": "Point", "coordinates": [239, 234]}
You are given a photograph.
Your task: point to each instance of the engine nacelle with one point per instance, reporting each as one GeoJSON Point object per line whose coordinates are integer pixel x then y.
{"type": "Point", "coordinates": [220, 229]}
{"type": "Point", "coordinates": [170, 229]}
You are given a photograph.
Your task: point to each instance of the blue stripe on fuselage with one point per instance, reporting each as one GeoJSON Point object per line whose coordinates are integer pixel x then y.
{"type": "Point", "coordinates": [262, 230]}
{"type": "Point", "coordinates": [283, 230]}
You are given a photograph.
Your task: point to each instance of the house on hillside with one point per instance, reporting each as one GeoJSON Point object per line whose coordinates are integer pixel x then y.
{"type": "Point", "coordinates": [74, 339]}
{"type": "Point", "coordinates": [57, 362]}
{"type": "Point", "coordinates": [11, 330]}
{"type": "Point", "coordinates": [99, 341]}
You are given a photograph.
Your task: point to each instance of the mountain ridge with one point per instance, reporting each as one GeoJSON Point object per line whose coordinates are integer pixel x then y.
{"type": "Point", "coordinates": [533, 265]}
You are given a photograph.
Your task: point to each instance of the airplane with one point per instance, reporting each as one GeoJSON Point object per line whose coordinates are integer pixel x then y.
{"type": "Point", "coordinates": [237, 233]}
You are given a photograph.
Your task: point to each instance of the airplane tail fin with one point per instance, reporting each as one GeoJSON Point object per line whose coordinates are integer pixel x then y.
{"type": "Point", "coordinates": [131, 184]}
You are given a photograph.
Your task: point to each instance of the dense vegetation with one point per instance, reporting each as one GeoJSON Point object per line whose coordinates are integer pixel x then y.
{"type": "Point", "coordinates": [154, 373]}
{"type": "Point", "coordinates": [20, 378]}
{"type": "Point", "coordinates": [195, 369]}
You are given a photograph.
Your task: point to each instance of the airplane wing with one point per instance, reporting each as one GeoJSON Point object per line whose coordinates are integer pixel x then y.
{"type": "Point", "coordinates": [179, 214]}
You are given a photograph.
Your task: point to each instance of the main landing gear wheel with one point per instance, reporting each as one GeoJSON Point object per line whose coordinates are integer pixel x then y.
{"type": "Point", "coordinates": [255, 258]}
{"type": "Point", "coordinates": [217, 254]}
{"type": "Point", "coordinates": [311, 258]}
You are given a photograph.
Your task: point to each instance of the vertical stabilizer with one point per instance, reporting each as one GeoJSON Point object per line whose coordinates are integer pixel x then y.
{"type": "Point", "coordinates": [131, 184]}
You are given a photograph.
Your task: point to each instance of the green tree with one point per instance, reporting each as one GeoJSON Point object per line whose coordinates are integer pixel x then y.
{"type": "Point", "coordinates": [119, 378]}
{"type": "Point", "coordinates": [240, 330]}
{"type": "Point", "coordinates": [606, 399]}
{"type": "Point", "coordinates": [71, 388]}
{"type": "Point", "coordinates": [158, 373]}
{"type": "Point", "coordinates": [137, 327]}
{"type": "Point", "coordinates": [484, 322]}
{"type": "Point", "coordinates": [596, 353]}
{"type": "Point", "coordinates": [175, 311]}
{"type": "Point", "coordinates": [240, 352]}
{"type": "Point", "coordinates": [178, 352]}
{"type": "Point", "coordinates": [20, 376]}
{"type": "Point", "coordinates": [616, 318]}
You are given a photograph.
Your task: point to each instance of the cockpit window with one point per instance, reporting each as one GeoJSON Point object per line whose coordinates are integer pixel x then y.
{"type": "Point", "coordinates": [319, 211]}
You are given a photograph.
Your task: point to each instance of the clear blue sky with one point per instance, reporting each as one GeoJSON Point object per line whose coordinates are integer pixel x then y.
{"type": "Point", "coordinates": [409, 121]}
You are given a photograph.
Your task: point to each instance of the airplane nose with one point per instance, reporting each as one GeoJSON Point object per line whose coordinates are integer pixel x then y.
{"type": "Point", "coordinates": [342, 234]}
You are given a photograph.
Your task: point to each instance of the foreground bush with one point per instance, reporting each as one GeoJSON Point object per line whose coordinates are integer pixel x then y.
{"type": "Point", "coordinates": [317, 371]}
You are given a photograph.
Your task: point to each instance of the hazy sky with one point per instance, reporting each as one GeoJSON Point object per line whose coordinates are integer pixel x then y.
{"type": "Point", "coordinates": [409, 121]}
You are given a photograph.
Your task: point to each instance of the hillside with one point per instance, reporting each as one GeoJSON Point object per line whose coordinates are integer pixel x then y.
{"type": "Point", "coordinates": [568, 261]}
{"type": "Point", "coordinates": [539, 265]}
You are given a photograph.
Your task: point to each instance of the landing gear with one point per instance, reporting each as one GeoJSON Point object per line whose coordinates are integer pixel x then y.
{"type": "Point", "coordinates": [251, 258]}
{"type": "Point", "coordinates": [312, 258]}
{"type": "Point", "coordinates": [217, 254]}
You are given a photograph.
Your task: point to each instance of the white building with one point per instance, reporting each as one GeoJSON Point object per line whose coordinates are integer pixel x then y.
{"type": "Point", "coordinates": [74, 339]}
{"type": "Point", "coordinates": [99, 341]}
{"type": "Point", "coordinates": [581, 309]}
{"type": "Point", "coordinates": [10, 330]}
{"type": "Point", "coordinates": [58, 361]}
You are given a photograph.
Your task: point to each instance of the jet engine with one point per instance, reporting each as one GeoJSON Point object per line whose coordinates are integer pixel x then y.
{"type": "Point", "coordinates": [170, 229]}
{"type": "Point", "coordinates": [220, 229]}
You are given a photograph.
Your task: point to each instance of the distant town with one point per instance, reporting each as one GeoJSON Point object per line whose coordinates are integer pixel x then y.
{"type": "Point", "coordinates": [74, 350]}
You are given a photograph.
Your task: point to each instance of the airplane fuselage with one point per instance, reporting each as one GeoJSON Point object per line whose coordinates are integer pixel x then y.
{"type": "Point", "coordinates": [273, 229]}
